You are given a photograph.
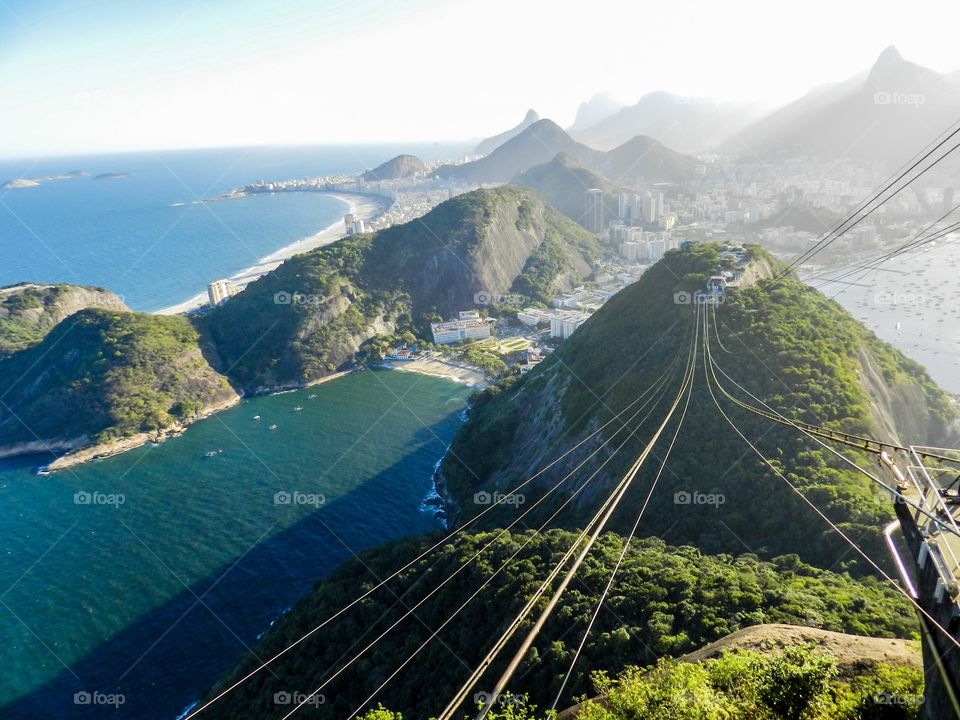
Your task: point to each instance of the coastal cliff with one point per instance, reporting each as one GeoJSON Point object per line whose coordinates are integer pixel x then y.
{"type": "Point", "coordinates": [106, 380]}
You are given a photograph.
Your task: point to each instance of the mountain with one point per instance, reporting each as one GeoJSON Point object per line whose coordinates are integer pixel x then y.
{"type": "Point", "coordinates": [106, 378]}
{"type": "Point", "coordinates": [399, 167]}
{"type": "Point", "coordinates": [788, 344]}
{"type": "Point", "coordinates": [562, 182]}
{"type": "Point", "coordinates": [315, 311]}
{"type": "Point", "coordinates": [640, 159]}
{"type": "Point", "coordinates": [538, 143]}
{"type": "Point", "coordinates": [28, 311]}
{"type": "Point", "coordinates": [592, 111]}
{"type": "Point", "coordinates": [886, 115]}
{"type": "Point", "coordinates": [645, 160]}
{"type": "Point", "coordinates": [668, 601]}
{"type": "Point", "coordinates": [684, 123]}
{"type": "Point", "coordinates": [492, 143]}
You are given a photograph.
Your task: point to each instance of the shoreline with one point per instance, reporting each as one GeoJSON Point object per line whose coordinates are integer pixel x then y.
{"type": "Point", "coordinates": [435, 367]}
{"type": "Point", "coordinates": [364, 207]}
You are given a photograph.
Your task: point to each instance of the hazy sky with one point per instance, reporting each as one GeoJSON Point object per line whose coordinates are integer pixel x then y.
{"type": "Point", "coordinates": [97, 75]}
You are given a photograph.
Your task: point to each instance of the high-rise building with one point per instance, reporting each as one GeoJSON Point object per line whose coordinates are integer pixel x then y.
{"type": "Point", "coordinates": [220, 290]}
{"type": "Point", "coordinates": [594, 212]}
{"type": "Point", "coordinates": [649, 207]}
{"type": "Point", "coordinates": [623, 208]}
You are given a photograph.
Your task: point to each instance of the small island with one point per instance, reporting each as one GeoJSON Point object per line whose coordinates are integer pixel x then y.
{"type": "Point", "coordinates": [112, 176]}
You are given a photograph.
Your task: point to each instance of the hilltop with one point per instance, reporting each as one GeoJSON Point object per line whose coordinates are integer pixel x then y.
{"type": "Point", "coordinates": [399, 167]}
{"type": "Point", "coordinates": [562, 182]}
{"type": "Point", "coordinates": [107, 379]}
{"type": "Point", "coordinates": [492, 143]}
{"type": "Point", "coordinates": [885, 114]}
{"type": "Point", "coordinates": [536, 144]}
{"type": "Point", "coordinates": [29, 311]}
{"type": "Point", "coordinates": [641, 159]}
{"type": "Point", "coordinates": [315, 311]}
{"type": "Point", "coordinates": [669, 601]}
{"type": "Point", "coordinates": [787, 343]}
{"type": "Point", "coordinates": [687, 124]}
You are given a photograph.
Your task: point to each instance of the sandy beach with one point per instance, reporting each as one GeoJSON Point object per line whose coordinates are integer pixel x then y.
{"type": "Point", "coordinates": [438, 367]}
{"type": "Point", "coordinates": [364, 207]}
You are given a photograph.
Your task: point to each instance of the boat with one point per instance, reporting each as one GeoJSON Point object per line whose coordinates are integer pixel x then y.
{"type": "Point", "coordinates": [256, 417]}
{"type": "Point", "coordinates": [272, 427]}
{"type": "Point", "coordinates": [298, 408]}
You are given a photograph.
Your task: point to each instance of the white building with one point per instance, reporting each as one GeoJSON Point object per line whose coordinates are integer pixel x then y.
{"type": "Point", "coordinates": [219, 291]}
{"type": "Point", "coordinates": [451, 331]}
{"type": "Point", "coordinates": [563, 323]}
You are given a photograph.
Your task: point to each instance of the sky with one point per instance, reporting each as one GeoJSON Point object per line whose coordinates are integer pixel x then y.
{"type": "Point", "coordinates": [88, 76]}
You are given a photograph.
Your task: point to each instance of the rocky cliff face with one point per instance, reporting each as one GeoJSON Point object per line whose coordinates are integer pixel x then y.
{"type": "Point", "coordinates": [312, 314]}
{"type": "Point", "coordinates": [29, 311]}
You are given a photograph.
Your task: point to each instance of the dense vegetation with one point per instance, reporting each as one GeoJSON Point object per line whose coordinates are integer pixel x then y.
{"type": "Point", "coordinates": [797, 683]}
{"type": "Point", "coordinates": [788, 344]}
{"type": "Point", "coordinates": [28, 313]}
{"type": "Point", "coordinates": [667, 601]}
{"type": "Point", "coordinates": [309, 316]}
{"type": "Point", "coordinates": [105, 374]}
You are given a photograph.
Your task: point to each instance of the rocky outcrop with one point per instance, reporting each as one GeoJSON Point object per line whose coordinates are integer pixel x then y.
{"type": "Point", "coordinates": [399, 167]}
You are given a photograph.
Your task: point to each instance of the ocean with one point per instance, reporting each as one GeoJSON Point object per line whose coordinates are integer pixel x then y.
{"type": "Point", "coordinates": [912, 303]}
{"type": "Point", "coordinates": [149, 574]}
{"type": "Point", "coordinates": [142, 236]}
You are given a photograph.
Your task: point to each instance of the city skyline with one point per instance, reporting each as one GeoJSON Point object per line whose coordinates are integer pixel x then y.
{"type": "Point", "coordinates": [101, 76]}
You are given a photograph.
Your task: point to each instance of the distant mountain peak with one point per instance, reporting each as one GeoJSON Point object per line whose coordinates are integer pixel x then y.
{"type": "Point", "coordinates": [890, 54]}
{"type": "Point", "coordinates": [492, 143]}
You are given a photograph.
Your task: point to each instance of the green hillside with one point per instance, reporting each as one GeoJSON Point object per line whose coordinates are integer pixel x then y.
{"type": "Point", "coordinates": [668, 601]}
{"type": "Point", "coordinates": [102, 375]}
{"type": "Point", "coordinates": [310, 316]}
{"type": "Point", "coordinates": [788, 344]}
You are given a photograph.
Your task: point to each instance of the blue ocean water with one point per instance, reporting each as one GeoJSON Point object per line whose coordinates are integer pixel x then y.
{"type": "Point", "coordinates": [177, 561]}
{"type": "Point", "coordinates": [141, 237]}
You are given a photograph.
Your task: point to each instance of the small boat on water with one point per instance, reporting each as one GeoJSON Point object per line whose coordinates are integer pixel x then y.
{"type": "Point", "coordinates": [256, 417]}
{"type": "Point", "coordinates": [298, 408]}
{"type": "Point", "coordinates": [272, 427]}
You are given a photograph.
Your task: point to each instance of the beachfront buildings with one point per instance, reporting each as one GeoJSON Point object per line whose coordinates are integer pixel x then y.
{"type": "Point", "coordinates": [220, 291]}
{"type": "Point", "coordinates": [469, 325]}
